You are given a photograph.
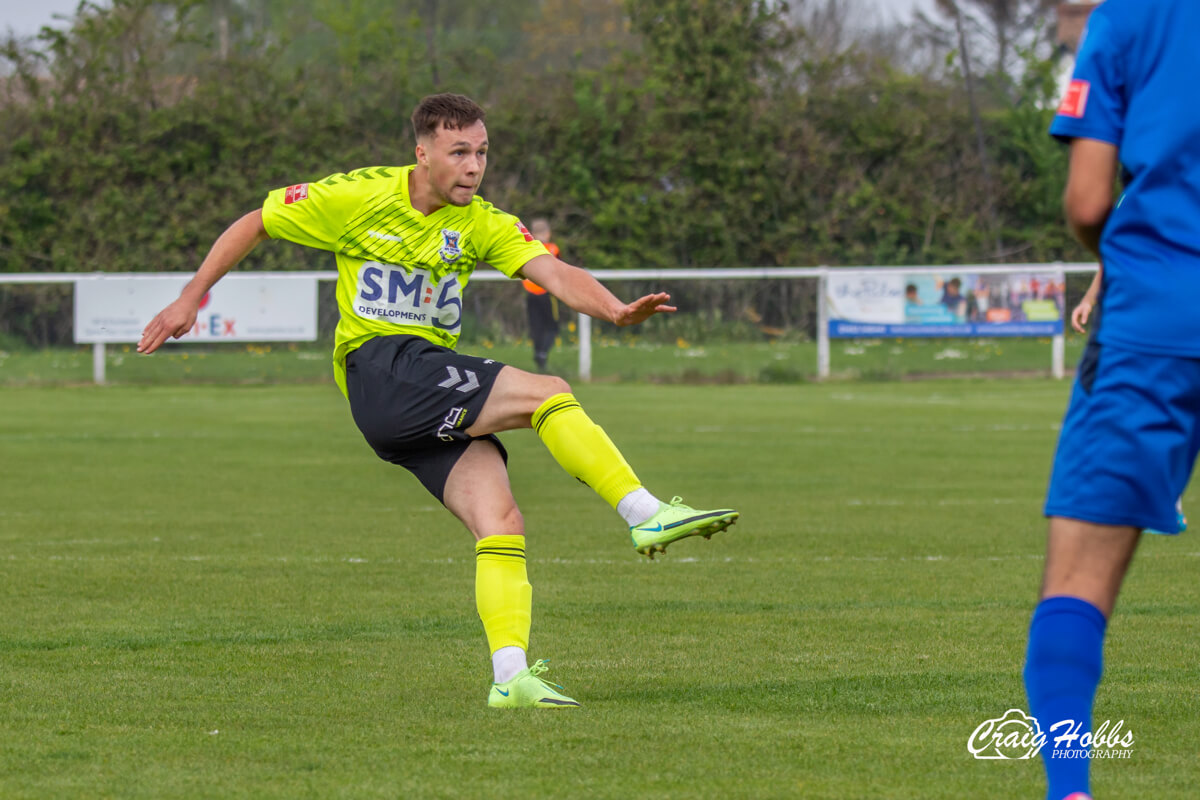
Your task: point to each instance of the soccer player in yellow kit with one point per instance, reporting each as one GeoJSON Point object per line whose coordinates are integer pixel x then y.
{"type": "Point", "coordinates": [406, 241]}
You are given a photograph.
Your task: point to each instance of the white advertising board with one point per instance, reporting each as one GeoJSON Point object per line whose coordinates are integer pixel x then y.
{"type": "Point", "coordinates": [866, 297]}
{"type": "Point", "coordinates": [240, 308]}
{"type": "Point", "coordinates": [877, 304]}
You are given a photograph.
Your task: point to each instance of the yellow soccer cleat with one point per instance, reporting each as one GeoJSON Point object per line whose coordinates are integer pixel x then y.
{"type": "Point", "coordinates": [675, 521]}
{"type": "Point", "coordinates": [528, 690]}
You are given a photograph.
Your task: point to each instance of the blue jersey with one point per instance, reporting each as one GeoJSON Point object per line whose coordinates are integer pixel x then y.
{"type": "Point", "coordinates": [1135, 86]}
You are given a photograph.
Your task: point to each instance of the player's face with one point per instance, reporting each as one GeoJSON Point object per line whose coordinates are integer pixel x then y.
{"type": "Point", "coordinates": [456, 160]}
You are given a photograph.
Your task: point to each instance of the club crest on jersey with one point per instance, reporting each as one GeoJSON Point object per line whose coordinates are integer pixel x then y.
{"type": "Point", "coordinates": [294, 194]}
{"type": "Point", "coordinates": [451, 246]}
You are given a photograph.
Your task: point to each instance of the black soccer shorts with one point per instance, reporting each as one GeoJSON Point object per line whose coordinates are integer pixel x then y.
{"type": "Point", "coordinates": [413, 401]}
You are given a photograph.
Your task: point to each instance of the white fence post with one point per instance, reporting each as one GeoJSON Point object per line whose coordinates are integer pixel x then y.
{"type": "Point", "coordinates": [584, 330]}
{"type": "Point", "coordinates": [98, 363]}
{"type": "Point", "coordinates": [1058, 343]}
{"type": "Point", "coordinates": [1057, 358]}
{"type": "Point", "coordinates": [823, 325]}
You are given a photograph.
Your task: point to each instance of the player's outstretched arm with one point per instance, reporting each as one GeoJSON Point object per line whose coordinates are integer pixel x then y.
{"type": "Point", "coordinates": [578, 289]}
{"type": "Point", "coordinates": [230, 248]}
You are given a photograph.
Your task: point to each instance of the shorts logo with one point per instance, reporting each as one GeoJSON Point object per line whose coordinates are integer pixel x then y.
{"type": "Point", "coordinates": [294, 194]}
{"type": "Point", "coordinates": [453, 419]}
{"type": "Point", "coordinates": [451, 249]}
{"type": "Point", "coordinates": [524, 231]}
{"type": "Point", "coordinates": [1074, 102]}
{"type": "Point", "coordinates": [468, 384]}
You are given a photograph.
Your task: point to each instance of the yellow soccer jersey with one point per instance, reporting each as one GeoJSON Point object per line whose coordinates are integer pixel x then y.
{"type": "Point", "coordinates": [399, 271]}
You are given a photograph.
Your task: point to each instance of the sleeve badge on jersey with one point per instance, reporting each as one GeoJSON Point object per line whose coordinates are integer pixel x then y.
{"type": "Point", "coordinates": [524, 231]}
{"type": "Point", "coordinates": [294, 194]}
{"type": "Point", "coordinates": [1074, 102]}
{"type": "Point", "coordinates": [451, 246]}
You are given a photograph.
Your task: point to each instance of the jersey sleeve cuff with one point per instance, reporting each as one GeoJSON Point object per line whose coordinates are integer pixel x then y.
{"type": "Point", "coordinates": [1066, 132]}
{"type": "Point", "coordinates": [268, 217]}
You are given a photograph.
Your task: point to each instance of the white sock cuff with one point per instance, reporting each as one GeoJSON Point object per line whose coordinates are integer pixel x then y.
{"type": "Point", "coordinates": [507, 662]}
{"type": "Point", "coordinates": [637, 507]}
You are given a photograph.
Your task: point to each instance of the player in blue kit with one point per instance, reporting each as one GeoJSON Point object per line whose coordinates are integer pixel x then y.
{"type": "Point", "coordinates": [1131, 432]}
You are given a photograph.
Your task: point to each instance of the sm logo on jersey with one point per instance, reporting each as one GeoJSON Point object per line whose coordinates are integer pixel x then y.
{"type": "Point", "coordinates": [408, 297]}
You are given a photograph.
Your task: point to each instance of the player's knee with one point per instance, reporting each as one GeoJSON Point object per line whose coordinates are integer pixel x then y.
{"type": "Point", "coordinates": [496, 522]}
{"type": "Point", "coordinates": [510, 522]}
{"type": "Point", "coordinates": [556, 385]}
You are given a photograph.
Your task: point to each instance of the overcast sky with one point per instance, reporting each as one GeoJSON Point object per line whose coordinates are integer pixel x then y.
{"type": "Point", "coordinates": [26, 17]}
{"type": "Point", "coordinates": [901, 9]}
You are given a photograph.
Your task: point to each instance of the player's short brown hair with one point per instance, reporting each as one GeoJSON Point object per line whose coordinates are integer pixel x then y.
{"type": "Point", "coordinates": [454, 111]}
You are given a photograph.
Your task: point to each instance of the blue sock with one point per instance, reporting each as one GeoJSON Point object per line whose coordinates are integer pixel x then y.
{"type": "Point", "coordinates": [1062, 670]}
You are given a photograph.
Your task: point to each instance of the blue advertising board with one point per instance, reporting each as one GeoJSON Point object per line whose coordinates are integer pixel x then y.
{"type": "Point", "coordinates": [875, 304]}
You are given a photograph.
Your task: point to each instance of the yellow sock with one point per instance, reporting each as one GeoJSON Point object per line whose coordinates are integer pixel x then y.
{"type": "Point", "coordinates": [583, 449]}
{"type": "Point", "coordinates": [502, 591]}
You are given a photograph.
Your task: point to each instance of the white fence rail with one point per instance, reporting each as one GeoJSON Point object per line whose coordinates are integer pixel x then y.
{"type": "Point", "coordinates": [665, 275]}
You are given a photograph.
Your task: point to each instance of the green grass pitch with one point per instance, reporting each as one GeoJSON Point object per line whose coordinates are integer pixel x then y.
{"type": "Point", "coordinates": [220, 592]}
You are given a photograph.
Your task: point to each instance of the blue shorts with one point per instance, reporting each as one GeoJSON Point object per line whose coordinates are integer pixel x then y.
{"type": "Point", "coordinates": [1129, 439]}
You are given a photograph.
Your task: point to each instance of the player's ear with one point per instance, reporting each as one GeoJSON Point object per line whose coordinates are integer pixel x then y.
{"type": "Point", "coordinates": [422, 156]}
